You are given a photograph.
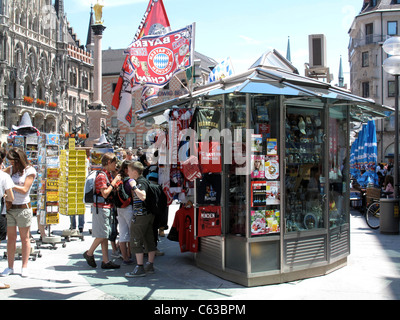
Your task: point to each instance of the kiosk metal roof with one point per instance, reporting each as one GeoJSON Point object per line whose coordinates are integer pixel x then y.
{"type": "Point", "coordinates": [276, 81]}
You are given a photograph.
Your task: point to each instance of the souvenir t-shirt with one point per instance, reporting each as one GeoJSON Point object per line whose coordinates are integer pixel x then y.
{"type": "Point", "coordinates": [207, 119]}
{"type": "Point", "coordinates": [210, 156]}
{"type": "Point", "coordinates": [209, 189]}
{"type": "Point", "coordinates": [19, 180]}
{"type": "Point", "coordinates": [5, 184]}
{"type": "Point", "coordinates": [209, 221]}
{"type": "Point", "coordinates": [184, 223]}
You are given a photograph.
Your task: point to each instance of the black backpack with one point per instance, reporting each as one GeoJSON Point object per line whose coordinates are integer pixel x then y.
{"type": "Point", "coordinates": [156, 200]}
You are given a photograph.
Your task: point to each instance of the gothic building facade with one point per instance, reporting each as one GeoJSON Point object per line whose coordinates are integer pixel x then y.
{"type": "Point", "coordinates": [44, 69]}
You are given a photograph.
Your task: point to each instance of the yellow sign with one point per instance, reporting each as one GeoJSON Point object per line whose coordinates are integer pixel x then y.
{"type": "Point", "coordinates": [52, 185]}
{"type": "Point", "coordinates": [71, 142]}
{"type": "Point", "coordinates": [396, 211]}
{"type": "Point", "coordinates": [52, 218]}
{"type": "Point", "coordinates": [52, 195]}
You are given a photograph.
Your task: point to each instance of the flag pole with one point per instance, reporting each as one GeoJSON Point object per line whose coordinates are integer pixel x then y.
{"type": "Point", "coordinates": [192, 55]}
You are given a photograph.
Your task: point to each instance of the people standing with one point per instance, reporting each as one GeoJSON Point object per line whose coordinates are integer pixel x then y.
{"type": "Point", "coordinates": [142, 223]}
{"type": "Point", "coordinates": [6, 195]}
{"type": "Point", "coordinates": [388, 186]}
{"type": "Point", "coordinates": [20, 214]}
{"type": "Point", "coordinates": [101, 212]}
{"type": "Point", "coordinates": [125, 213]}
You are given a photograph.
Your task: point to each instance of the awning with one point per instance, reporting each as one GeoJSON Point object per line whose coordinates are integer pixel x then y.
{"type": "Point", "coordinates": [272, 81]}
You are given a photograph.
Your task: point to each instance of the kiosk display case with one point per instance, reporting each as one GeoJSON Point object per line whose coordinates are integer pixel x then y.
{"type": "Point", "coordinates": [285, 175]}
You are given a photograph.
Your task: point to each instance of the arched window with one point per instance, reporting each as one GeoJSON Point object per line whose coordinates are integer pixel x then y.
{"type": "Point", "coordinates": [27, 88]}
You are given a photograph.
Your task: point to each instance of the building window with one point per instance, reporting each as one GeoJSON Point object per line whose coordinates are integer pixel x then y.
{"type": "Point", "coordinates": [392, 28]}
{"type": "Point", "coordinates": [114, 122]}
{"type": "Point", "coordinates": [365, 59]}
{"type": "Point", "coordinates": [369, 33]}
{"type": "Point", "coordinates": [391, 88]}
{"type": "Point", "coordinates": [365, 89]}
{"type": "Point", "coordinates": [130, 140]}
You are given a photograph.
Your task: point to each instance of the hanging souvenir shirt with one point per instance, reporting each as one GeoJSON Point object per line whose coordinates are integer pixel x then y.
{"type": "Point", "coordinates": [176, 179]}
{"type": "Point", "coordinates": [191, 168]}
{"type": "Point", "coordinates": [179, 119]}
{"type": "Point", "coordinates": [209, 221]}
{"type": "Point", "coordinates": [184, 224]}
{"type": "Point", "coordinates": [209, 189]}
{"type": "Point", "coordinates": [207, 119]}
{"type": "Point", "coordinates": [210, 156]}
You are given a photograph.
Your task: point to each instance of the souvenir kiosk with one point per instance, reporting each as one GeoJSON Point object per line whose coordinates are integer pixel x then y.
{"type": "Point", "coordinates": [285, 183]}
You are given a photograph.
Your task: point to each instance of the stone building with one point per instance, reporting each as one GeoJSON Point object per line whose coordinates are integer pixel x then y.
{"type": "Point", "coordinates": [377, 20]}
{"type": "Point", "coordinates": [44, 69]}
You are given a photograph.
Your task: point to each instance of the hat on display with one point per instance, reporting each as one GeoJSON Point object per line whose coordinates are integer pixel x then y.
{"type": "Point", "coordinates": [26, 122]}
{"type": "Point", "coordinates": [103, 143]}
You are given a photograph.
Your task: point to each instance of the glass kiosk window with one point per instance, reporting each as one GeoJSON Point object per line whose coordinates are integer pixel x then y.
{"type": "Point", "coordinates": [304, 181]}
{"type": "Point", "coordinates": [264, 176]}
{"type": "Point", "coordinates": [338, 170]}
{"type": "Point", "coordinates": [235, 110]}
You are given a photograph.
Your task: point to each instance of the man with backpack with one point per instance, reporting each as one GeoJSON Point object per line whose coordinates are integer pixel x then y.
{"type": "Point", "coordinates": [102, 204]}
{"type": "Point", "coordinates": [142, 222]}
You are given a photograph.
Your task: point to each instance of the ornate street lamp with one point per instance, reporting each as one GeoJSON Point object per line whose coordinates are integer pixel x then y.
{"type": "Point", "coordinates": [392, 66]}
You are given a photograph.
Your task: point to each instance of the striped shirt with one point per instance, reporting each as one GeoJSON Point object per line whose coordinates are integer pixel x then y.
{"type": "Point", "coordinates": [103, 182]}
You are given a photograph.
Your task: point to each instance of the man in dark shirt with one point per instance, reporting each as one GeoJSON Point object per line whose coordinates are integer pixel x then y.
{"type": "Point", "coordinates": [142, 222]}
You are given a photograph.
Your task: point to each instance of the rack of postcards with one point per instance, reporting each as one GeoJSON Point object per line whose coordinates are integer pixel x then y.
{"type": "Point", "coordinates": [48, 174]}
{"type": "Point", "coordinates": [72, 180]}
{"type": "Point", "coordinates": [30, 144]}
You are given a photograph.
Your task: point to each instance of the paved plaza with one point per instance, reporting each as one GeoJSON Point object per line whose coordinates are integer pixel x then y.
{"type": "Point", "coordinates": [373, 272]}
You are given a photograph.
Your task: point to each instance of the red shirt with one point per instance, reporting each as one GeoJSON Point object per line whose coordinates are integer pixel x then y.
{"type": "Point", "coordinates": [101, 182]}
{"type": "Point", "coordinates": [184, 223]}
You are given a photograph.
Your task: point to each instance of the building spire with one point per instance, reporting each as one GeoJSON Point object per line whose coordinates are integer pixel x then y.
{"type": "Point", "coordinates": [90, 38]}
{"type": "Point", "coordinates": [341, 77]}
{"type": "Point", "coordinates": [59, 6]}
{"type": "Point", "coordinates": [288, 55]}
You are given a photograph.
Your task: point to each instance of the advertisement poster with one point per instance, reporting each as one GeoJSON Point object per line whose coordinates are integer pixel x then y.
{"type": "Point", "coordinates": [272, 147]}
{"type": "Point", "coordinates": [272, 218]}
{"type": "Point", "coordinates": [258, 223]}
{"type": "Point", "coordinates": [209, 221]}
{"type": "Point", "coordinates": [258, 193]}
{"type": "Point", "coordinates": [272, 167]}
{"type": "Point", "coordinates": [96, 154]}
{"type": "Point", "coordinates": [256, 142]}
{"type": "Point", "coordinates": [272, 192]}
{"type": "Point", "coordinates": [257, 167]}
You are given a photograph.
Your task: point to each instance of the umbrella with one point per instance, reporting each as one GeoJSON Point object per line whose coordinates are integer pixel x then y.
{"type": "Point", "coordinates": [362, 155]}
{"type": "Point", "coordinates": [372, 154]}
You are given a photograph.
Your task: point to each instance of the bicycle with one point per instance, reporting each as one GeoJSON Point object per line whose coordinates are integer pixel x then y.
{"type": "Point", "coordinates": [373, 214]}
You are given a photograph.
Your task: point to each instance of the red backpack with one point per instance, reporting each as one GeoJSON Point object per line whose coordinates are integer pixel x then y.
{"type": "Point", "coordinates": [122, 199]}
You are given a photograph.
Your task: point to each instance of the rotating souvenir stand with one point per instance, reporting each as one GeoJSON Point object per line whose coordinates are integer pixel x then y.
{"type": "Point", "coordinates": [72, 183]}
{"type": "Point", "coordinates": [48, 171]}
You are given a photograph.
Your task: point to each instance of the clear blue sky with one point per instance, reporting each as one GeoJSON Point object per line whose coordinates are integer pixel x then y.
{"type": "Point", "coordinates": [242, 30]}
